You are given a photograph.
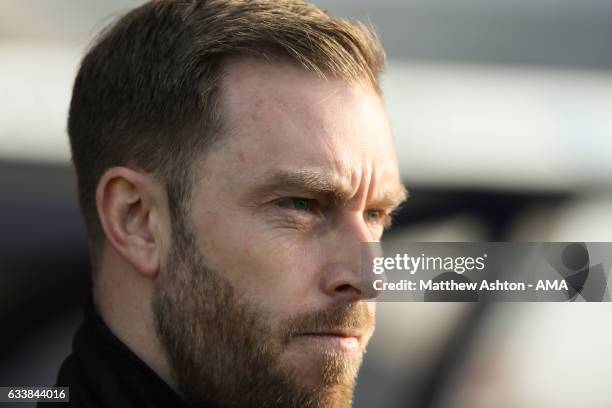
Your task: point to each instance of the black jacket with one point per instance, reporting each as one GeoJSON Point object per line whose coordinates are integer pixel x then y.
{"type": "Point", "coordinates": [103, 372]}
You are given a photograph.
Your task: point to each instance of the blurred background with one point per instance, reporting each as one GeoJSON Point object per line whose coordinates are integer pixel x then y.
{"type": "Point", "coordinates": [502, 112]}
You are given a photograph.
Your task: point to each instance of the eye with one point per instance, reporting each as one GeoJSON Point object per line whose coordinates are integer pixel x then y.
{"type": "Point", "coordinates": [375, 216]}
{"type": "Point", "coordinates": [298, 203]}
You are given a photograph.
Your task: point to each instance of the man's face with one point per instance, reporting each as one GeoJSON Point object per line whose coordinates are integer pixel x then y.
{"type": "Point", "coordinates": [262, 300]}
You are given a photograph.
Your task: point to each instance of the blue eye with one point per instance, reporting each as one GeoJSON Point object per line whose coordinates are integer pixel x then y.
{"type": "Point", "coordinates": [297, 203]}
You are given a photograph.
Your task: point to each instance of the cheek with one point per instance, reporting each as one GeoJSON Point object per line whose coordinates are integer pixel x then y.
{"type": "Point", "coordinates": [282, 276]}
{"type": "Point", "coordinates": [275, 268]}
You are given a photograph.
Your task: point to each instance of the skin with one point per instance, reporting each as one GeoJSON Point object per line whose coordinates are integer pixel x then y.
{"type": "Point", "coordinates": [306, 173]}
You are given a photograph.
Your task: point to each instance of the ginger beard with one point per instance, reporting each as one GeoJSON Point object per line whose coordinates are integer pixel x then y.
{"type": "Point", "coordinates": [227, 352]}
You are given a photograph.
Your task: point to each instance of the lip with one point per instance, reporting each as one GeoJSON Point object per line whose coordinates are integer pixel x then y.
{"type": "Point", "coordinates": [334, 340]}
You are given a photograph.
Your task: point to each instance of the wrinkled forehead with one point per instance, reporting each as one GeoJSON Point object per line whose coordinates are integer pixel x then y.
{"type": "Point", "coordinates": [281, 116]}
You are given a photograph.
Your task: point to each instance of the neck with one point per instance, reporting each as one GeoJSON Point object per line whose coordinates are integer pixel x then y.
{"type": "Point", "coordinates": [122, 297]}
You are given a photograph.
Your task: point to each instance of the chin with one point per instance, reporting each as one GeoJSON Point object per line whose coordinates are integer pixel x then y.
{"type": "Point", "coordinates": [323, 370]}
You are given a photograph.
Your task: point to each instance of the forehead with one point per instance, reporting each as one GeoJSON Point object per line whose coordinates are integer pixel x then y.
{"type": "Point", "coordinates": [282, 117]}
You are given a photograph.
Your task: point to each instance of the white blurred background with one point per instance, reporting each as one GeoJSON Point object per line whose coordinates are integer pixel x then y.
{"type": "Point", "coordinates": [502, 113]}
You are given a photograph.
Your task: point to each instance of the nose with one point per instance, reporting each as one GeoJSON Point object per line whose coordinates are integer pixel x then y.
{"type": "Point", "coordinates": [349, 252]}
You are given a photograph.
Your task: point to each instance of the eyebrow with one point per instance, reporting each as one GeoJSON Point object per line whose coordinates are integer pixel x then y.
{"type": "Point", "coordinates": [319, 182]}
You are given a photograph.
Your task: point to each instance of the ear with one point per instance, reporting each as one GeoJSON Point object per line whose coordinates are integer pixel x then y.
{"type": "Point", "coordinates": [128, 204]}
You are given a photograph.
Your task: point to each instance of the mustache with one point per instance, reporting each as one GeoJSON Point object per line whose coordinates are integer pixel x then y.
{"type": "Point", "coordinates": [340, 317]}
